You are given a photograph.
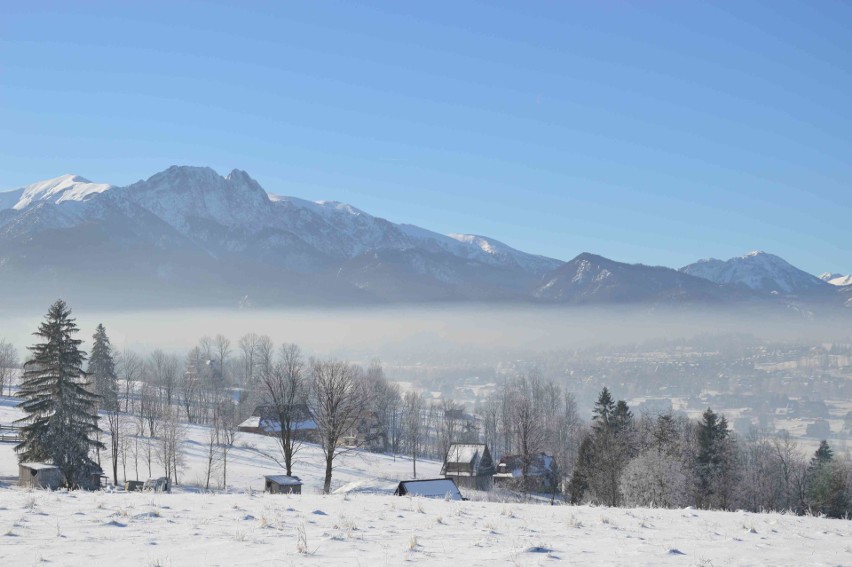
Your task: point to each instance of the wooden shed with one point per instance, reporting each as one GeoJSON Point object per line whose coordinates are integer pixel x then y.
{"type": "Point", "coordinates": [40, 475]}
{"type": "Point", "coordinates": [282, 484]}
{"type": "Point", "coordinates": [430, 488]}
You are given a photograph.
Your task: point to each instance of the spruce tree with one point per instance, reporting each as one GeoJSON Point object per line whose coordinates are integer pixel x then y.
{"type": "Point", "coordinates": [105, 384]}
{"type": "Point", "coordinates": [102, 370]}
{"type": "Point", "coordinates": [826, 484]}
{"type": "Point", "coordinates": [603, 410]}
{"type": "Point", "coordinates": [622, 417]}
{"type": "Point", "coordinates": [714, 463]}
{"type": "Point", "coordinates": [823, 455]}
{"type": "Point", "coordinates": [61, 412]}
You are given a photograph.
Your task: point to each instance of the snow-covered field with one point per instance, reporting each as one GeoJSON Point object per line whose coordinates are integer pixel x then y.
{"type": "Point", "coordinates": [355, 527]}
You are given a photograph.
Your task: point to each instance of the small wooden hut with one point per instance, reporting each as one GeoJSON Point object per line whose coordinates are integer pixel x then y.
{"type": "Point", "coordinates": [40, 475]}
{"type": "Point", "coordinates": [282, 484]}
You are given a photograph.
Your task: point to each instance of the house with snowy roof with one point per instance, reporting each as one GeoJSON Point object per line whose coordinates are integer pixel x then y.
{"type": "Point", "coordinates": [540, 474]}
{"type": "Point", "coordinates": [470, 465]}
{"type": "Point", "coordinates": [263, 421]}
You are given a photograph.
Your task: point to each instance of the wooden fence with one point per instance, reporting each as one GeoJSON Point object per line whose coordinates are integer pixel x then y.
{"type": "Point", "coordinates": [10, 434]}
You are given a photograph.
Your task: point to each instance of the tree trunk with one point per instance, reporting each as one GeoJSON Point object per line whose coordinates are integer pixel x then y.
{"type": "Point", "coordinates": [326, 487]}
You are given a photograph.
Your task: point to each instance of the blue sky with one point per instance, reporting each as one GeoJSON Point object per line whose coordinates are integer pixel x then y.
{"type": "Point", "coordinates": [653, 132]}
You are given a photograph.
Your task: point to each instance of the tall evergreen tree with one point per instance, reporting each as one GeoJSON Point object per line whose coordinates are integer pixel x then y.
{"type": "Point", "coordinates": [827, 486]}
{"type": "Point", "coordinates": [714, 462]}
{"type": "Point", "coordinates": [61, 412]}
{"type": "Point", "coordinates": [823, 455]}
{"type": "Point", "coordinates": [102, 370]}
{"type": "Point", "coordinates": [622, 417]}
{"type": "Point", "coordinates": [104, 381]}
{"type": "Point", "coordinates": [603, 410]}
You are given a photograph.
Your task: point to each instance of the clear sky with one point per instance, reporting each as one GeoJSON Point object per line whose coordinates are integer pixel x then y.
{"type": "Point", "coordinates": [653, 132]}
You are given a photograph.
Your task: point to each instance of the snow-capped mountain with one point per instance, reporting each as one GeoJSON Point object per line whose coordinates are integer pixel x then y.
{"type": "Point", "coordinates": [227, 235]}
{"type": "Point", "coordinates": [836, 279]}
{"type": "Point", "coordinates": [57, 190]}
{"type": "Point", "coordinates": [188, 235]}
{"type": "Point", "coordinates": [589, 278]}
{"type": "Point", "coordinates": [758, 271]}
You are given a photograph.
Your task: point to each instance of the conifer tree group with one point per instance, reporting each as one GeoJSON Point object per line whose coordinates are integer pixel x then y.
{"type": "Point", "coordinates": [61, 418]}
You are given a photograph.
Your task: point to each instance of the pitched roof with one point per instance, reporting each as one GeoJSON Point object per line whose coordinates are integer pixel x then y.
{"type": "Point", "coordinates": [284, 480]}
{"type": "Point", "coordinates": [465, 452]}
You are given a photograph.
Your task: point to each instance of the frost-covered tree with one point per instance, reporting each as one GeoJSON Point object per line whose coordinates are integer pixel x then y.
{"type": "Point", "coordinates": [8, 365]}
{"type": "Point", "coordinates": [61, 413]}
{"type": "Point", "coordinates": [607, 451]}
{"type": "Point", "coordinates": [654, 479]}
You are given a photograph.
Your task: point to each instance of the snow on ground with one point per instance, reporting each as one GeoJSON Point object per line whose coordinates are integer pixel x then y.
{"type": "Point", "coordinates": [235, 529]}
{"type": "Point", "coordinates": [362, 524]}
{"type": "Point", "coordinates": [252, 457]}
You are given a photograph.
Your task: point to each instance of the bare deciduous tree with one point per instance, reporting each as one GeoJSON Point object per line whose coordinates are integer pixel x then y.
{"type": "Point", "coordinates": [164, 370]}
{"type": "Point", "coordinates": [285, 395]}
{"type": "Point", "coordinates": [169, 453]}
{"type": "Point", "coordinates": [129, 366]}
{"type": "Point", "coordinates": [248, 346]}
{"type": "Point", "coordinates": [8, 365]}
{"type": "Point", "coordinates": [337, 403]}
{"type": "Point", "coordinates": [221, 351]}
{"type": "Point", "coordinates": [413, 405]}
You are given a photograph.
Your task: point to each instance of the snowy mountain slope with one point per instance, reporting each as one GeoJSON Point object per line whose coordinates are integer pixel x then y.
{"type": "Point", "coordinates": [181, 195]}
{"type": "Point", "coordinates": [57, 190]}
{"type": "Point", "coordinates": [338, 228]}
{"type": "Point", "coordinates": [758, 271]}
{"type": "Point", "coordinates": [414, 275]}
{"type": "Point", "coordinates": [836, 279]}
{"type": "Point", "coordinates": [589, 278]}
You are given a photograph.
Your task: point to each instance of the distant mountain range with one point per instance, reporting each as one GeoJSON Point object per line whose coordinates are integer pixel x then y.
{"type": "Point", "coordinates": [188, 236]}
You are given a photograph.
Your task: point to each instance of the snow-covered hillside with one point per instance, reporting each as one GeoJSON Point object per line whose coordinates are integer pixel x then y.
{"type": "Point", "coordinates": [253, 457]}
{"type": "Point", "coordinates": [251, 529]}
{"type": "Point", "coordinates": [758, 271]}
{"type": "Point", "coordinates": [362, 523]}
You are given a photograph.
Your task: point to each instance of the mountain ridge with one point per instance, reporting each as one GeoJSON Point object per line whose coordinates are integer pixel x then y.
{"type": "Point", "coordinates": [188, 230]}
